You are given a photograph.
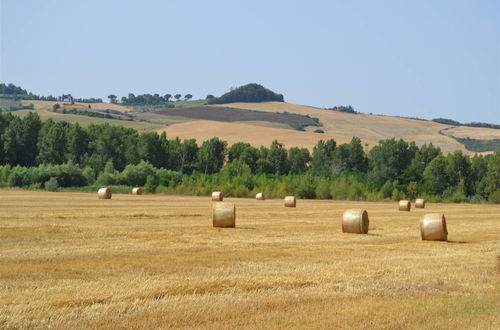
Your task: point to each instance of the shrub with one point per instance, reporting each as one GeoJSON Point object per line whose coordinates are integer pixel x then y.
{"type": "Point", "coordinates": [150, 185]}
{"type": "Point", "coordinates": [494, 197]}
{"type": "Point", "coordinates": [51, 184]}
{"type": "Point", "coordinates": [136, 175]}
{"type": "Point", "coordinates": [323, 190]}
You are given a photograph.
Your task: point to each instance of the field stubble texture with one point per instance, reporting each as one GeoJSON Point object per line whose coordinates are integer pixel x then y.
{"type": "Point", "coordinates": [71, 260]}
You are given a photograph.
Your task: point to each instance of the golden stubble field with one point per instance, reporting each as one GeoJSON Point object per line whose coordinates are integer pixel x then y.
{"type": "Point", "coordinates": [69, 260]}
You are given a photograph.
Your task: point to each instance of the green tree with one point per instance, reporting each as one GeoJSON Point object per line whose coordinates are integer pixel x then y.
{"type": "Point", "coordinates": [112, 142]}
{"type": "Point", "coordinates": [188, 97]}
{"type": "Point", "coordinates": [277, 157]}
{"type": "Point", "coordinates": [492, 177]}
{"type": "Point", "coordinates": [298, 159]}
{"type": "Point", "coordinates": [436, 176]}
{"type": "Point", "coordinates": [52, 143]}
{"type": "Point", "coordinates": [21, 139]}
{"type": "Point", "coordinates": [458, 171]}
{"type": "Point", "coordinates": [78, 140]}
{"type": "Point", "coordinates": [244, 152]}
{"type": "Point", "coordinates": [189, 156]}
{"type": "Point", "coordinates": [389, 159]}
{"type": "Point", "coordinates": [151, 184]}
{"type": "Point", "coordinates": [112, 98]}
{"type": "Point", "coordinates": [177, 97]}
{"type": "Point", "coordinates": [357, 160]}
{"type": "Point", "coordinates": [211, 155]}
{"type": "Point", "coordinates": [152, 148]}
{"type": "Point", "coordinates": [167, 97]}
{"type": "Point", "coordinates": [322, 157]}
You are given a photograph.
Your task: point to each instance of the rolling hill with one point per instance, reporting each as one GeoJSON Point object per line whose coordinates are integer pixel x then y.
{"type": "Point", "coordinates": [251, 124]}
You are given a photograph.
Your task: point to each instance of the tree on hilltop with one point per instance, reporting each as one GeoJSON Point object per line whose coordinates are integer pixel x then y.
{"type": "Point", "coordinates": [248, 93]}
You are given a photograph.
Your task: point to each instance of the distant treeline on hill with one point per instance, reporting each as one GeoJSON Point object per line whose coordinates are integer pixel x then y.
{"type": "Point", "coordinates": [457, 123]}
{"type": "Point", "coordinates": [48, 155]}
{"type": "Point", "coordinates": [343, 108]}
{"type": "Point", "coordinates": [11, 91]}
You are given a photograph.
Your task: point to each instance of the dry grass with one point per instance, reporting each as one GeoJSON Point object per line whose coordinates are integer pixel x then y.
{"type": "Point", "coordinates": [480, 133]}
{"type": "Point", "coordinates": [71, 260]}
{"type": "Point", "coordinates": [79, 105]}
{"type": "Point", "coordinates": [203, 130]}
{"type": "Point", "coordinates": [372, 128]}
{"type": "Point", "coordinates": [86, 120]}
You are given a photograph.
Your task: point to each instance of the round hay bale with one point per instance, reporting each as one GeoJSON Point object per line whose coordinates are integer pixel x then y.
{"type": "Point", "coordinates": [404, 205]}
{"type": "Point", "coordinates": [224, 215]}
{"type": "Point", "coordinates": [420, 203]}
{"type": "Point", "coordinates": [260, 196]}
{"type": "Point", "coordinates": [137, 191]}
{"type": "Point", "coordinates": [104, 193]}
{"type": "Point", "coordinates": [433, 227]}
{"type": "Point", "coordinates": [217, 196]}
{"type": "Point", "coordinates": [355, 221]}
{"type": "Point", "coordinates": [290, 201]}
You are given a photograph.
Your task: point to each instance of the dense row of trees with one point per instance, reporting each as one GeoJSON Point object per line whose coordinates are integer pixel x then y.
{"type": "Point", "coordinates": [149, 99]}
{"type": "Point", "coordinates": [343, 108]}
{"type": "Point", "coordinates": [12, 91]}
{"type": "Point", "coordinates": [452, 122]}
{"type": "Point", "coordinates": [33, 152]}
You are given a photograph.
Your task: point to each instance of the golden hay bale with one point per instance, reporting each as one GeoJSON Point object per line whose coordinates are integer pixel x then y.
{"type": "Point", "coordinates": [104, 193]}
{"type": "Point", "coordinates": [433, 227]}
{"type": "Point", "coordinates": [290, 201]}
{"type": "Point", "coordinates": [217, 196]}
{"type": "Point", "coordinates": [260, 196]}
{"type": "Point", "coordinates": [137, 191]}
{"type": "Point", "coordinates": [223, 214]}
{"type": "Point", "coordinates": [404, 205]}
{"type": "Point", "coordinates": [355, 221]}
{"type": "Point", "coordinates": [420, 203]}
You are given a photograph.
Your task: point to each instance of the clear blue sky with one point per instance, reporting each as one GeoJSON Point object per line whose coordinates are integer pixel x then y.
{"type": "Point", "coordinates": [415, 58]}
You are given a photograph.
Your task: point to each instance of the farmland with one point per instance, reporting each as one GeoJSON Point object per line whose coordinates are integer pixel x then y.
{"type": "Point", "coordinates": [227, 114]}
{"type": "Point", "coordinates": [71, 260]}
{"type": "Point", "coordinates": [192, 119]}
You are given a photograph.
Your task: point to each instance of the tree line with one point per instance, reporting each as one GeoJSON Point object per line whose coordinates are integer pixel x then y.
{"type": "Point", "coordinates": [32, 152]}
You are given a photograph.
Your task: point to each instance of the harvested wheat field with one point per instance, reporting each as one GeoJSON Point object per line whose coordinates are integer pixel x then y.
{"type": "Point", "coordinates": [70, 260]}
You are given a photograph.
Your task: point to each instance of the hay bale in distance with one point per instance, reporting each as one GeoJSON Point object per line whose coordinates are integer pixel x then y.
{"type": "Point", "coordinates": [217, 196]}
{"type": "Point", "coordinates": [355, 221]}
{"type": "Point", "coordinates": [290, 201]}
{"type": "Point", "coordinates": [104, 193]}
{"type": "Point", "coordinates": [420, 203]}
{"type": "Point", "coordinates": [260, 196]}
{"type": "Point", "coordinates": [137, 191]}
{"type": "Point", "coordinates": [404, 205]}
{"type": "Point", "coordinates": [433, 227]}
{"type": "Point", "coordinates": [223, 215]}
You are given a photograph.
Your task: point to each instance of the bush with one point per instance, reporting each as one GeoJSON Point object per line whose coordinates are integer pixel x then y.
{"type": "Point", "coordinates": [150, 185]}
{"type": "Point", "coordinates": [323, 190]}
{"type": "Point", "coordinates": [136, 175]}
{"type": "Point", "coordinates": [51, 184]}
{"type": "Point", "coordinates": [494, 197]}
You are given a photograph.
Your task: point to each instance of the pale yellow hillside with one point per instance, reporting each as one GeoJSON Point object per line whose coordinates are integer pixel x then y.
{"type": "Point", "coordinates": [473, 132]}
{"type": "Point", "coordinates": [366, 127]}
{"type": "Point", "coordinates": [93, 106]}
{"type": "Point", "coordinates": [257, 136]}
